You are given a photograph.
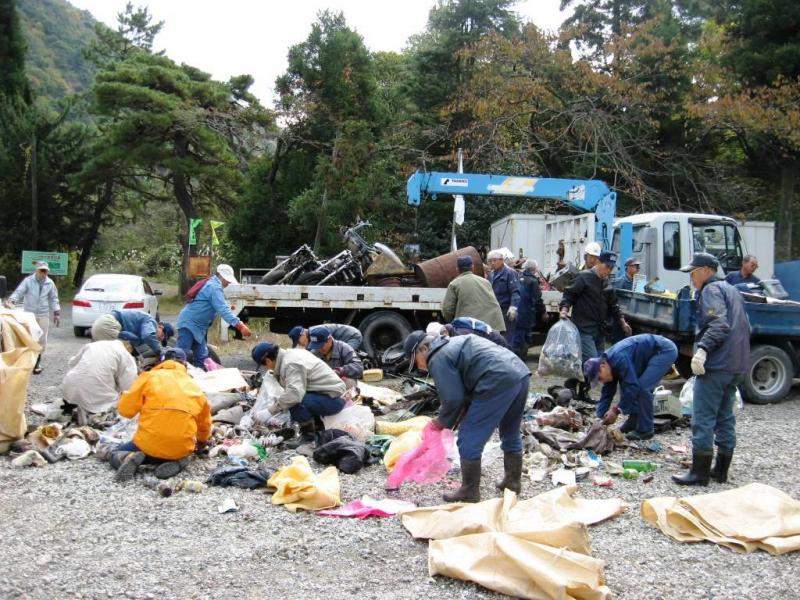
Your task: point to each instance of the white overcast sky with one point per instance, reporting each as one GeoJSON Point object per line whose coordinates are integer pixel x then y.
{"type": "Point", "coordinates": [231, 37]}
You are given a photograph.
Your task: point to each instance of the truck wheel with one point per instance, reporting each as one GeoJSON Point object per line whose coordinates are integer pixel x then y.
{"type": "Point", "coordinates": [272, 277]}
{"type": "Point", "coordinates": [79, 331]}
{"type": "Point", "coordinates": [770, 376]}
{"type": "Point", "coordinates": [382, 330]}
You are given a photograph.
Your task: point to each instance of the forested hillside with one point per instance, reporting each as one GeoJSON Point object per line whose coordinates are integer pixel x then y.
{"type": "Point", "coordinates": [56, 33]}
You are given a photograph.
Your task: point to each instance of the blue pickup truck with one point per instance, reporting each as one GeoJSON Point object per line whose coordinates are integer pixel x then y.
{"type": "Point", "coordinates": [774, 339]}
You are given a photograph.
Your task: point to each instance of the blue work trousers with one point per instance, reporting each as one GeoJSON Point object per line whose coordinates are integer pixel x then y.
{"type": "Point", "coordinates": [188, 343]}
{"type": "Point", "coordinates": [713, 421]}
{"type": "Point", "coordinates": [131, 447]}
{"type": "Point", "coordinates": [315, 405]}
{"type": "Point", "coordinates": [500, 410]}
{"type": "Point", "coordinates": [511, 327]}
{"type": "Point", "coordinates": [591, 346]}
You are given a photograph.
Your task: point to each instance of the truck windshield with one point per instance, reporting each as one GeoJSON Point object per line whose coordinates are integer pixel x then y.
{"type": "Point", "coordinates": [720, 239]}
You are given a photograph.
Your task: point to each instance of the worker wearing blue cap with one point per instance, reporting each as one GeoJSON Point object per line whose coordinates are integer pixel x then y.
{"type": "Point", "coordinates": [311, 388]}
{"type": "Point", "coordinates": [337, 355]}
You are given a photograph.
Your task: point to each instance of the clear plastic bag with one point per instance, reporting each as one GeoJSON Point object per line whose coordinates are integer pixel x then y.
{"type": "Point", "coordinates": [561, 353]}
{"type": "Point", "coordinates": [687, 398]}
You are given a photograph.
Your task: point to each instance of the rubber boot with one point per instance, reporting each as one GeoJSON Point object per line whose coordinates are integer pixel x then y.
{"type": "Point", "coordinates": [572, 386]}
{"type": "Point", "coordinates": [583, 393]}
{"type": "Point", "coordinates": [130, 464]}
{"type": "Point", "coordinates": [37, 368]}
{"type": "Point", "coordinates": [470, 490]}
{"type": "Point", "coordinates": [629, 424]}
{"type": "Point", "coordinates": [512, 465]}
{"type": "Point", "coordinates": [701, 470]}
{"type": "Point", "coordinates": [306, 436]}
{"type": "Point", "coordinates": [171, 468]}
{"type": "Point", "coordinates": [719, 472]}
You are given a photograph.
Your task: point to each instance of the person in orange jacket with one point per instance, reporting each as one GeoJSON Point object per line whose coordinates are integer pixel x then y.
{"type": "Point", "coordinates": [174, 415]}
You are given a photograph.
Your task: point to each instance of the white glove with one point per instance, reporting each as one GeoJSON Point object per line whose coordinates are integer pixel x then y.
{"type": "Point", "coordinates": [698, 362]}
{"type": "Point", "coordinates": [512, 313]}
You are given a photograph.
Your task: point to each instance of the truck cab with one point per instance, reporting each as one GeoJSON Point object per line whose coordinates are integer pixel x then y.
{"type": "Point", "coordinates": [665, 241]}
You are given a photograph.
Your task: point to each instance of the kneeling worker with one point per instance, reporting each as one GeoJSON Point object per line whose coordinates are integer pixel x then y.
{"type": "Point", "coordinates": [174, 415]}
{"type": "Point", "coordinates": [337, 355]}
{"type": "Point", "coordinates": [344, 333]}
{"type": "Point", "coordinates": [636, 364]}
{"type": "Point", "coordinates": [482, 387]}
{"type": "Point", "coordinates": [311, 388]}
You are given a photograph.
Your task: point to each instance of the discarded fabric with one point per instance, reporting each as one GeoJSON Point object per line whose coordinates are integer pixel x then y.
{"type": "Point", "coordinates": [401, 427]}
{"type": "Point", "coordinates": [31, 458]}
{"type": "Point", "coordinates": [399, 446]}
{"type": "Point", "coordinates": [299, 488]}
{"type": "Point", "coordinates": [369, 507]}
{"type": "Point", "coordinates": [427, 462]}
{"type": "Point", "coordinates": [348, 454]}
{"type": "Point", "coordinates": [240, 477]}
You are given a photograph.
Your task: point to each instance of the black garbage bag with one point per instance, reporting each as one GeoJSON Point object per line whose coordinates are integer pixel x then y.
{"type": "Point", "coordinates": [349, 455]}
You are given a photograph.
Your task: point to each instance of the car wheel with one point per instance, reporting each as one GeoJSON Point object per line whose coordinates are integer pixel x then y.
{"type": "Point", "coordinates": [79, 331]}
{"type": "Point", "coordinates": [770, 376]}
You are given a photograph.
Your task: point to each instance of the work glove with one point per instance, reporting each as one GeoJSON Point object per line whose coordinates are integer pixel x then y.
{"type": "Point", "coordinates": [512, 313]}
{"type": "Point", "coordinates": [699, 362]}
{"type": "Point", "coordinates": [564, 313]}
{"type": "Point", "coordinates": [626, 329]}
{"type": "Point", "coordinates": [57, 318]}
{"type": "Point", "coordinates": [243, 329]}
{"type": "Point", "coordinates": [611, 416]}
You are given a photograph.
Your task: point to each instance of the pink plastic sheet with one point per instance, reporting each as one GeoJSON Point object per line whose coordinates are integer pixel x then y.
{"type": "Point", "coordinates": [210, 365]}
{"type": "Point", "coordinates": [427, 462]}
{"type": "Point", "coordinates": [369, 507]}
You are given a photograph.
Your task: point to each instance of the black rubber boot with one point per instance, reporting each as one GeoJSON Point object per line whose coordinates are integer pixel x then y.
{"type": "Point", "coordinates": [572, 386]}
{"type": "Point", "coordinates": [583, 392]}
{"type": "Point", "coordinates": [701, 470]}
{"type": "Point", "coordinates": [306, 436]}
{"type": "Point", "coordinates": [171, 468]}
{"type": "Point", "coordinates": [37, 368]}
{"type": "Point", "coordinates": [629, 424]}
{"type": "Point", "coordinates": [719, 472]}
{"type": "Point", "coordinates": [130, 464]}
{"type": "Point", "coordinates": [512, 465]}
{"type": "Point", "coordinates": [470, 490]}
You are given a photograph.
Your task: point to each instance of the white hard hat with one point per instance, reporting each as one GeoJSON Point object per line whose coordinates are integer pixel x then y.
{"type": "Point", "coordinates": [593, 249]}
{"type": "Point", "coordinates": [226, 271]}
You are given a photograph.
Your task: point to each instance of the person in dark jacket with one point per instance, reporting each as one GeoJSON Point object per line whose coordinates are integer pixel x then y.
{"type": "Point", "coordinates": [635, 365]}
{"type": "Point", "coordinates": [625, 281]}
{"type": "Point", "coordinates": [344, 333]}
{"type": "Point", "coordinates": [337, 355]}
{"type": "Point", "coordinates": [147, 330]}
{"type": "Point", "coordinates": [531, 313]}
{"type": "Point", "coordinates": [505, 285]}
{"type": "Point", "coordinates": [482, 387]}
{"type": "Point", "coordinates": [746, 273]}
{"type": "Point", "coordinates": [722, 356]}
{"type": "Point", "coordinates": [468, 325]}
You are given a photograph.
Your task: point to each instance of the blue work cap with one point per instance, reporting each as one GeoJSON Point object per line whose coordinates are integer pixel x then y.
{"type": "Point", "coordinates": [591, 370]}
{"type": "Point", "coordinates": [701, 259]}
{"type": "Point", "coordinates": [174, 354]}
{"type": "Point", "coordinates": [261, 350]}
{"type": "Point", "coordinates": [295, 333]}
{"type": "Point", "coordinates": [317, 336]}
{"type": "Point", "coordinates": [608, 258]}
{"type": "Point", "coordinates": [169, 330]}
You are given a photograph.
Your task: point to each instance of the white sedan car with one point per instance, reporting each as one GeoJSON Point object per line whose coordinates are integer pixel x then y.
{"type": "Point", "coordinates": [100, 294]}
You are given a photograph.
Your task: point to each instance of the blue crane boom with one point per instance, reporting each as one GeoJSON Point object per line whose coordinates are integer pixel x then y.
{"type": "Point", "coordinates": [584, 195]}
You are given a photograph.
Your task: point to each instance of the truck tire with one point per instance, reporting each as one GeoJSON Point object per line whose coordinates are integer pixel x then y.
{"type": "Point", "coordinates": [770, 376]}
{"type": "Point", "coordinates": [272, 277]}
{"type": "Point", "coordinates": [79, 331]}
{"type": "Point", "coordinates": [381, 330]}
{"type": "Point", "coordinates": [310, 278]}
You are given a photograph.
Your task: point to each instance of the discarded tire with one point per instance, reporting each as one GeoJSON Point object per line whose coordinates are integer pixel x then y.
{"type": "Point", "coordinates": [272, 277]}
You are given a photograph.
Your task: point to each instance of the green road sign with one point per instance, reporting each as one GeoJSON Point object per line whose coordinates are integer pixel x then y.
{"type": "Point", "coordinates": [57, 261]}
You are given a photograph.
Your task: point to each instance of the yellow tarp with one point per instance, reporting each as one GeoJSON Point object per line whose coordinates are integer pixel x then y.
{"type": "Point", "coordinates": [536, 548]}
{"type": "Point", "coordinates": [400, 427]}
{"type": "Point", "coordinates": [299, 488]}
{"type": "Point", "coordinates": [18, 356]}
{"type": "Point", "coordinates": [745, 519]}
{"type": "Point", "coordinates": [403, 443]}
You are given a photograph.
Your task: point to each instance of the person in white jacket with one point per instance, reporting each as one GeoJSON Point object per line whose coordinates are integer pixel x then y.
{"type": "Point", "coordinates": [98, 374]}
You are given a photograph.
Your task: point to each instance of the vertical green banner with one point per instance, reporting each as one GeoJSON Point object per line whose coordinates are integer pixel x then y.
{"type": "Point", "coordinates": [193, 223]}
{"type": "Point", "coordinates": [214, 238]}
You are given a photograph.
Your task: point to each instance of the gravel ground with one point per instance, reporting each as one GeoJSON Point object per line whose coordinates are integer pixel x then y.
{"type": "Point", "coordinates": [70, 532]}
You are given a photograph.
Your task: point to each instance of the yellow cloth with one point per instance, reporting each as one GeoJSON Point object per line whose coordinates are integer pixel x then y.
{"type": "Point", "coordinates": [536, 548]}
{"type": "Point", "coordinates": [174, 414]}
{"type": "Point", "coordinates": [18, 356]}
{"type": "Point", "coordinates": [745, 519]}
{"type": "Point", "coordinates": [399, 446]}
{"type": "Point", "coordinates": [297, 487]}
{"type": "Point", "coordinates": [400, 427]}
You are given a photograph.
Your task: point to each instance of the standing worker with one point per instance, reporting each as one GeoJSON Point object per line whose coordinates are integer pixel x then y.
{"type": "Point", "coordinates": [590, 304]}
{"type": "Point", "coordinates": [625, 282]}
{"type": "Point", "coordinates": [722, 356]}
{"type": "Point", "coordinates": [482, 387]}
{"type": "Point", "coordinates": [505, 285]}
{"type": "Point", "coordinates": [636, 364]}
{"type": "Point", "coordinates": [746, 273]}
{"type": "Point", "coordinates": [591, 255]}
{"type": "Point", "coordinates": [469, 295]}
{"type": "Point", "coordinates": [196, 317]}
{"type": "Point", "coordinates": [532, 314]}
{"type": "Point", "coordinates": [39, 296]}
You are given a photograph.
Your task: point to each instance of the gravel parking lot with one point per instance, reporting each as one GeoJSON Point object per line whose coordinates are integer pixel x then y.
{"type": "Point", "coordinates": [70, 532]}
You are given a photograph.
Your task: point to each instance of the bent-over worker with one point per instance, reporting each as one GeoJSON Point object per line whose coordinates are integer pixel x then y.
{"type": "Point", "coordinates": [722, 356]}
{"type": "Point", "coordinates": [337, 355]}
{"type": "Point", "coordinates": [470, 326]}
{"type": "Point", "coordinates": [482, 387]}
{"type": "Point", "coordinates": [174, 416]}
{"type": "Point", "coordinates": [344, 333]}
{"type": "Point", "coordinates": [635, 365]}
{"type": "Point", "coordinates": [310, 387]}
{"type": "Point", "coordinates": [196, 317]}
{"type": "Point", "coordinates": [146, 331]}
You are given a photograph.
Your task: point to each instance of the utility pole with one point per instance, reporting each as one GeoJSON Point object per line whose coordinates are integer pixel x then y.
{"type": "Point", "coordinates": [34, 198]}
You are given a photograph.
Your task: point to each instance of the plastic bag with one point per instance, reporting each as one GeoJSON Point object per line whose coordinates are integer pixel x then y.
{"type": "Point", "coordinates": [687, 395]}
{"type": "Point", "coordinates": [427, 462]}
{"type": "Point", "coordinates": [259, 414]}
{"type": "Point", "coordinates": [561, 353]}
{"type": "Point", "coordinates": [357, 420]}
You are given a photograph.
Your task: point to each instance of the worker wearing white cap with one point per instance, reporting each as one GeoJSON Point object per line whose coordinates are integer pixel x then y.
{"type": "Point", "coordinates": [39, 296]}
{"type": "Point", "coordinates": [591, 255]}
{"type": "Point", "coordinates": [207, 301]}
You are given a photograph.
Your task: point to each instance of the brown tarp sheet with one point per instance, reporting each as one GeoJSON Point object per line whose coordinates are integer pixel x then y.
{"type": "Point", "coordinates": [745, 519]}
{"type": "Point", "coordinates": [537, 548]}
{"type": "Point", "coordinates": [18, 356]}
